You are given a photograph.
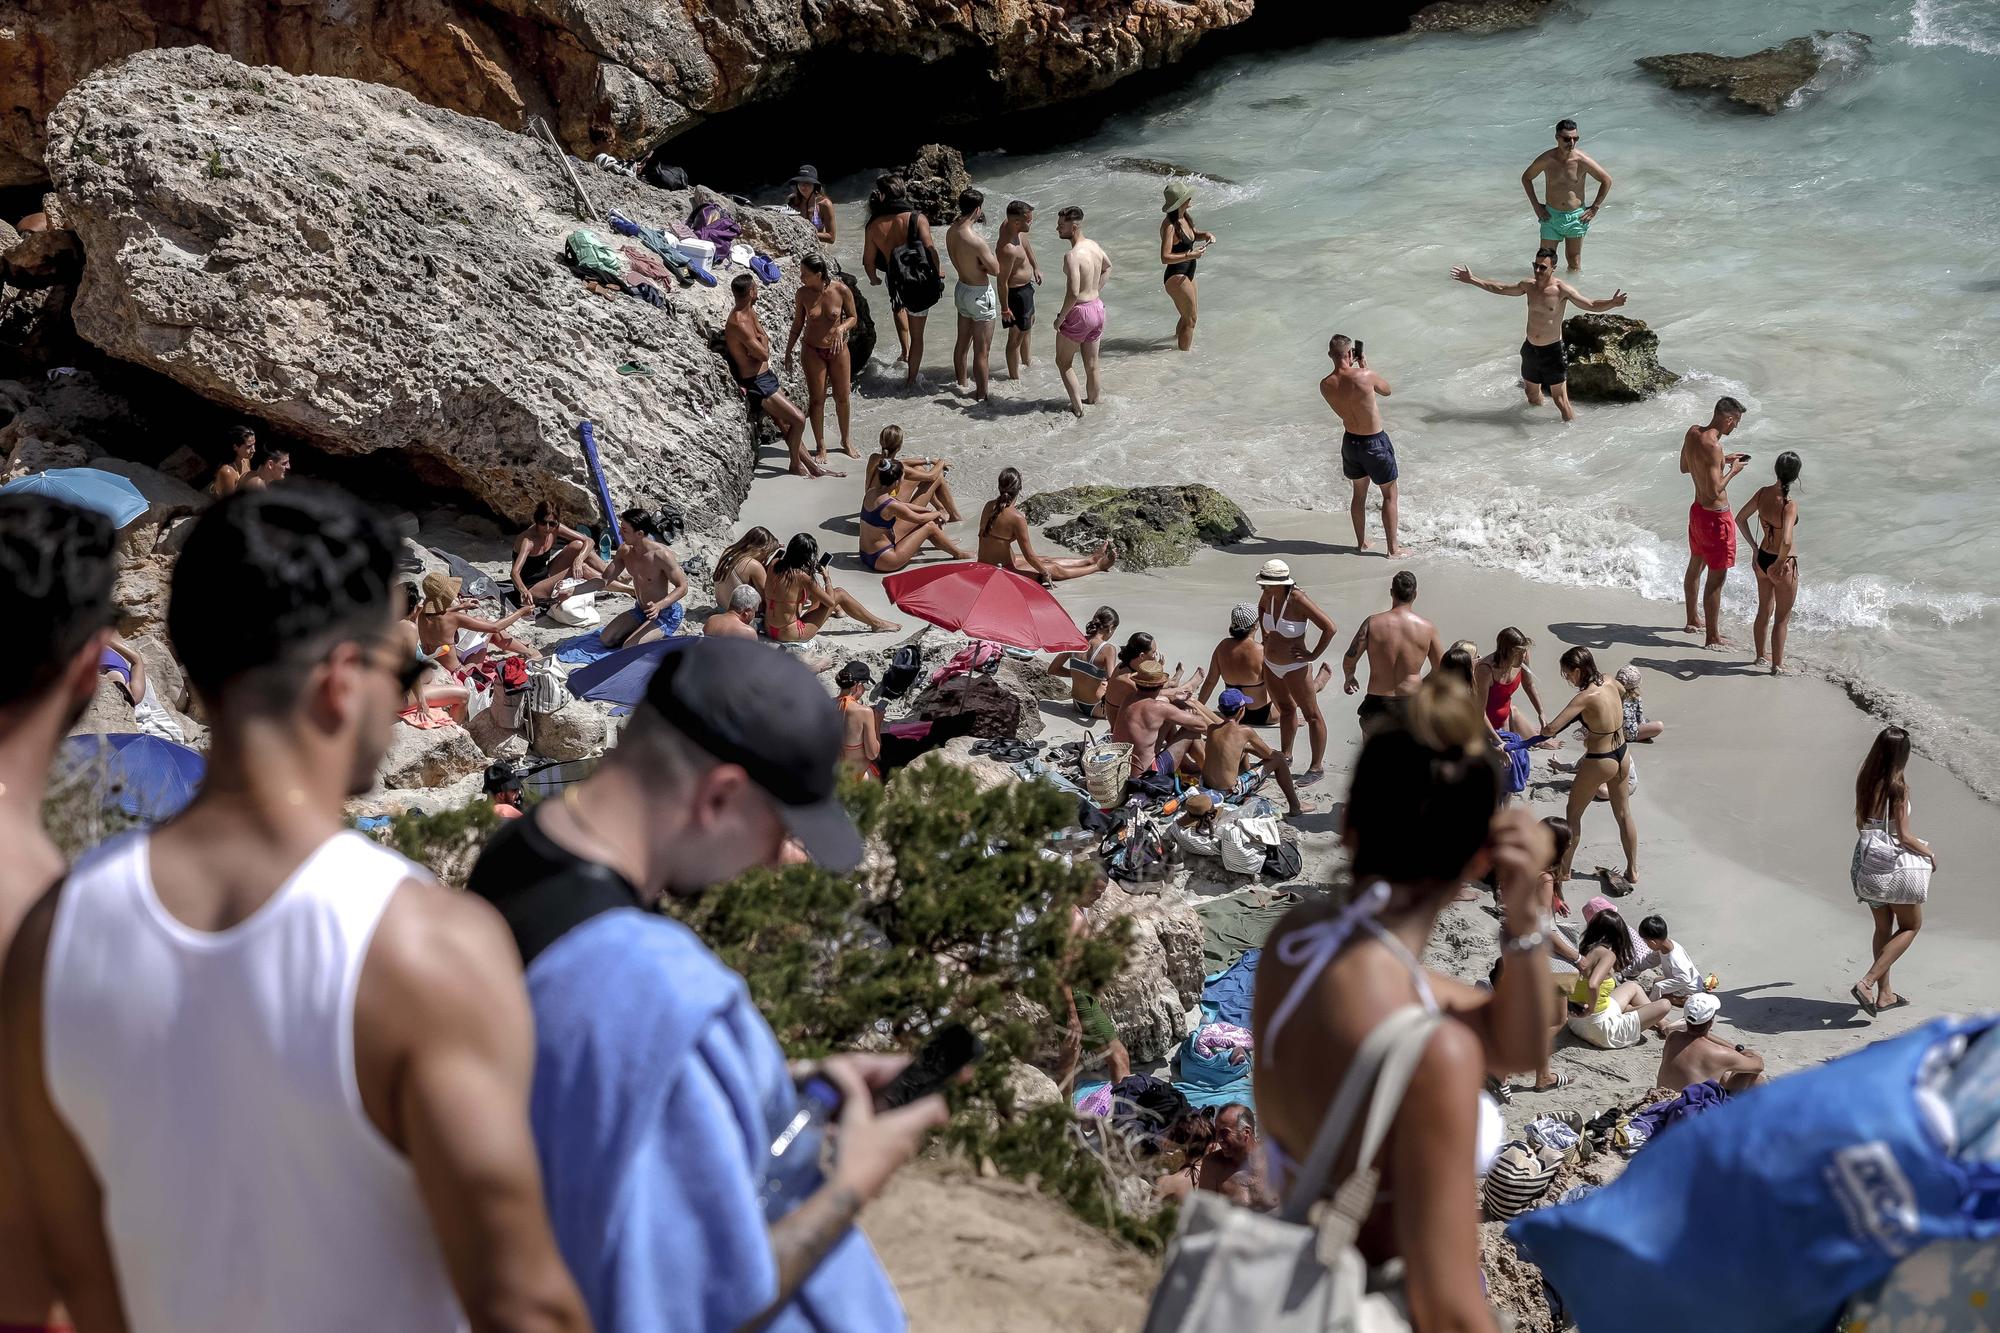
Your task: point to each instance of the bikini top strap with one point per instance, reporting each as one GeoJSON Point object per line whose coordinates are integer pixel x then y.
{"type": "Point", "coordinates": [1403, 955]}
{"type": "Point", "coordinates": [1311, 948]}
{"type": "Point", "coordinates": [1379, 1075]}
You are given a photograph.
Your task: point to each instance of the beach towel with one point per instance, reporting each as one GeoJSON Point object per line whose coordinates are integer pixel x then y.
{"type": "Point", "coordinates": [1216, 1078]}
{"type": "Point", "coordinates": [1231, 925]}
{"type": "Point", "coordinates": [1788, 1200]}
{"type": "Point", "coordinates": [1225, 997]}
{"type": "Point", "coordinates": [1519, 761]}
{"type": "Point", "coordinates": [425, 719]}
{"type": "Point", "coordinates": [1654, 1120]}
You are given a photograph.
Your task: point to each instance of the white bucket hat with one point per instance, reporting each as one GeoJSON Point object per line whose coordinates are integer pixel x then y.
{"type": "Point", "coordinates": [578, 612]}
{"type": "Point", "coordinates": [1275, 574]}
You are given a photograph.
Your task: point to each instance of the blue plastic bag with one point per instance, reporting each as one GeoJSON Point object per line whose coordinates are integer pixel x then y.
{"type": "Point", "coordinates": [1768, 1213]}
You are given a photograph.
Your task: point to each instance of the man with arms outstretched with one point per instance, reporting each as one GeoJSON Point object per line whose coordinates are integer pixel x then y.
{"type": "Point", "coordinates": [264, 1072]}
{"type": "Point", "coordinates": [1398, 643]}
{"type": "Point", "coordinates": [1711, 529]}
{"type": "Point", "coordinates": [1544, 362]}
{"type": "Point", "coordinates": [1365, 451]}
{"type": "Point", "coordinates": [1563, 170]}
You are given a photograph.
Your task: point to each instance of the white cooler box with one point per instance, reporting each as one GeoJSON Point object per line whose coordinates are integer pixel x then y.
{"type": "Point", "coordinates": [696, 249]}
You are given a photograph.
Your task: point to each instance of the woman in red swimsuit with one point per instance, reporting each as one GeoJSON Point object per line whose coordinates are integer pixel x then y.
{"type": "Point", "coordinates": [1497, 677]}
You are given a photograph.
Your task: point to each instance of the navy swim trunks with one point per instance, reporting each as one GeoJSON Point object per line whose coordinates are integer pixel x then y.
{"type": "Point", "coordinates": [1370, 456]}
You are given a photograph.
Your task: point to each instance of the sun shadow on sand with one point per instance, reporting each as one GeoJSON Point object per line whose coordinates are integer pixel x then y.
{"type": "Point", "coordinates": [844, 524]}
{"type": "Point", "coordinates": [1263, 548]}
{"type": "Point", "coordinates": [1693, 668]}
{"type": "Point", "coordinates": [1775, 1014]}
{"type": "Point", "coordinates": [1008, 407]}
{"type": "Point", "coordinates": [1599, 635]}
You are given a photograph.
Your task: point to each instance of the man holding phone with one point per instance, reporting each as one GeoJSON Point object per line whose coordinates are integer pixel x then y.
{"type": "Point", "coordinates": [1711, 528]}
{"type": "Point", "coordinates": [1366, 453]}
{"type": "Point", "coordinates": [659, 1090]}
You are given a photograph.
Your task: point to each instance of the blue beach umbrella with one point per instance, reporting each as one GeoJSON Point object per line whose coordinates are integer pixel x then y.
{"type": "Point", "coordinates": [621, 677]}
{"type": "Point", "coordinates": [146, 777]}
{"type": "Point", "coordinates": [87, 488]}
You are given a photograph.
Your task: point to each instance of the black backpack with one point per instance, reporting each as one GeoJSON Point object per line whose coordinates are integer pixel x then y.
{"type": "Point", "coordinates": [902, 673]}
{"type": "Point", "coordinates": [666, 177]}
{"type": "Point", "coordinates": [918, 282]}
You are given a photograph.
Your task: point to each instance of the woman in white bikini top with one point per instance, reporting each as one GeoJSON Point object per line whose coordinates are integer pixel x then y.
{"type": "Point", "coordinates": [1423, 817]}
{"type": "Point", "coordinates": [1294, 688]}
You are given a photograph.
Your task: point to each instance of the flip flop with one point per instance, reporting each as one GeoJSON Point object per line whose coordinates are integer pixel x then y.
{"type": "Point", "coordinates": [1309, 777]}
{"type": "Point", "coordinates": [1615, 883]}
{"type": "Point", "coordinates": [1867, 1005]}
{"type": "Point", "coordinates": [636, 368]}
{"type": "Point", "coordinates": [1562, 1081]}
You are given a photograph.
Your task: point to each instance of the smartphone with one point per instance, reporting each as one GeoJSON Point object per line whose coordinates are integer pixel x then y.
{"type": "Point", "coordinates": [826, 560]}
{"type": "Point", "coordinates": [935, 1066]}
{"type": "Point", "coordinates": [1359, 349]}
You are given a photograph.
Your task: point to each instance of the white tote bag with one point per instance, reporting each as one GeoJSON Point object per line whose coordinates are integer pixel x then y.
{"type": "Point", "coordinates": [1230, 1269]}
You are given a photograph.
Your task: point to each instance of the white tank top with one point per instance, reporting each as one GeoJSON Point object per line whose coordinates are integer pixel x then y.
{"type": "Point", "coordinates": [210, 1079]}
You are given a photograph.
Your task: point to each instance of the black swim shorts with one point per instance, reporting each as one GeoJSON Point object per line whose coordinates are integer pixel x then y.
{"type": "Point", "coordinates": [1370, 456]}
{"type": "Point", "coordinates": [1378, 710]}
{"type": "Point", "coordinates": [1020, 312]}
{"type": "Point", "coordinates": [758, 388]}
{"type": "Point", "coordinates": [1547, 366]}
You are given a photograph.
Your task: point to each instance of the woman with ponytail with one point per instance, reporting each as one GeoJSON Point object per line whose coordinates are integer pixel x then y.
{"type": "Point", "coordinates": [1089, 670]}
{"type": "Point", "coordinates": [1777, 561]}
{"type": "Point", "coordinates": [1600, 706]}
{"type": "Point", "coordinates": [1002, 528]}
{"type": "Point", "coordinates": [1422, 818]}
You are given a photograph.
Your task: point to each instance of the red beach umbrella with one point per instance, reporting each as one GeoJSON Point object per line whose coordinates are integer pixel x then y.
{"type": "Point", "coordinates": [986, 602]}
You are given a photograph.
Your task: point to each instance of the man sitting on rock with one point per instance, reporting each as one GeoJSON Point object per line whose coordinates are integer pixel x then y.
{"type": "Point", "coordinates": [1696, 1055]}
{"type": "Point", "coordinates": [749, 349]}
{"type": "Point", "coordinates": [1163, 730]}
{"type": "Point", "coordinates": [738, 620]}
{"type": "Point", "coordinates": [1236, 760]}
{"type": "Point", "coordinates": [1229, 1164]}
{"type": "Point", "coordinates": [658, 586]}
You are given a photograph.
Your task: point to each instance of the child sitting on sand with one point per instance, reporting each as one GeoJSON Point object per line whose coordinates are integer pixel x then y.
{"type": "Point", "coordinates": [1637, 727]}
{"type": "Point", "coordinates": [1678, 976]}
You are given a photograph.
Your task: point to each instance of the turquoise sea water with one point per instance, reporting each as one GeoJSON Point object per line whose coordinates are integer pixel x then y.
{"type": "Point", "coordinates": [1833, 266]}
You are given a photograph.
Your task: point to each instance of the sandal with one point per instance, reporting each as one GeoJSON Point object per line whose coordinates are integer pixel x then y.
{"type": "Point", "coordinates": [1503, 1091]}
{"type": "Point", "coordinates": [1561, 1081]}
{"type": "Point", "coordinates": [1867, 1005]}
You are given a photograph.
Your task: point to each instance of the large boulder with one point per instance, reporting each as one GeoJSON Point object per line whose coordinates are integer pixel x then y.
{"type": "Point", "coordinates": [1150, 525]}
{"type": "Point", "coordinates": [1613, 359]}
{"type": "Point", "coordinates": [1161, 980]}
{"type": "Point", "coordinates": [62, 422]}
{"type": "Point", "coordinates": [611, 76]}
{"type": "Point", "coordinates": [575, 731]}
{"type": "Point", "coordinates": [1769, 80]}
{"type": "Point", "coordinates": [373, 274]}
{"type": "Point", "coordinates": [1001, 704]}
{"type": "Point", "coordinates": [1479, 16]}
{"type": "Point", "coordinates": [936, 177]}
{"type": "Point", "coordinates": [433, 757]}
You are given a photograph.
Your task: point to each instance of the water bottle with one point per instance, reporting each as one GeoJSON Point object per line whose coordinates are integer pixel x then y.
{"type": "Point", "coordinates": [792, 1168]}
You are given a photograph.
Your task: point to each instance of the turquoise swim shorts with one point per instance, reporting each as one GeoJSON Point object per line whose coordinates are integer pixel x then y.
{"type": "Point", "coordinates": [1564, 226]}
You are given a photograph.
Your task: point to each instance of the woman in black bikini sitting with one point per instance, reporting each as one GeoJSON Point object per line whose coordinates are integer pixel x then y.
{"type": "Point", "coordinates": [882, 514]}
{"type": "Point", "coordinates": [1180, 246]}
{"type": "Point", "coordinates": [1600, 705]}
{"type": "Point", "coordinates": [924, 484]}
{"type": "Point", "coordinates": [1777, 560]}
{"type": "Point", "coordinates": [1238, 663]}
{"type": "Point", "coordinates": [1089, 670]}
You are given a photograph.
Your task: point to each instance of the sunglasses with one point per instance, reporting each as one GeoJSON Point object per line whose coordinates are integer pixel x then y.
{"type": "Point", "coordinates": [1568, 138]}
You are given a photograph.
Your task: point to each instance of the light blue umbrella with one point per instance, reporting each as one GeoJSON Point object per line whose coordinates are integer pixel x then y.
{"type": "Point", "coordinates": [106, 493]}
{"type": "Point", "coordinates": [146, 777]}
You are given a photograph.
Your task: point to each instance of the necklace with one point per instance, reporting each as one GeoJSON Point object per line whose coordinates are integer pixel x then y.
{"type": "Point", "coordinates": [583, 822]}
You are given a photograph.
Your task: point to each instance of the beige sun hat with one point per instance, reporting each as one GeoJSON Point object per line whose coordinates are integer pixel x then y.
{"type": "Point", "coordinates": [1178, 193]}
{"type": "Point", "coordinates": [1275, 574]}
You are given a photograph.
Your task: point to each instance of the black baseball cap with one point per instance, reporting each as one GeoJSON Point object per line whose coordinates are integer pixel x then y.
{"type": "Point", "coordinates": [756, 706]}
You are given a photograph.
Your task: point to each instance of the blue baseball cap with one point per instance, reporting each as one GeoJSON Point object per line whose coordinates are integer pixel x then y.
{"type": "Point", "coordinates": [1233, 699]}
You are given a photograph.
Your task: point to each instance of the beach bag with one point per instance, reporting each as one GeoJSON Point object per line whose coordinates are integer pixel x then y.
{"type": "Point", "coordinates": [666, 177]}
{"type": "Point", "coordinates": [1283, 862]}
{"type": "Point", "coordinates": [591, 256]}
{"type": "Point", "coordinates": [1518, 1180]}
{"type": "Point", "coordinates": [1105, 768]}
{"type": "Point", "coordinates": [548, 687]}
{"type": "Point", "coordinates": [1230, 1269]}
{"type": "Point", "coordinates": [1787, 1199]}
{"type": "Point", "coordinates": [709, 222]}
{"type": "Point", "coordinates": [903, 670]}
{"type": "Point", "coordinates": [509, 706]}
{"type": "Point", "coordinates": [918, 281]}
{"type": "Point", "coordinates": [1140, 852]}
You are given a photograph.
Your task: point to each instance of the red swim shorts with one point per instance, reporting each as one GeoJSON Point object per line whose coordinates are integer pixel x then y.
{"type": "Point", "coordinates": [1712, 536]}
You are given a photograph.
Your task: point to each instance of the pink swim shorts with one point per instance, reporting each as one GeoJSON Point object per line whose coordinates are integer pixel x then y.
{"type": "Point", "coordinates": [1084, 323]}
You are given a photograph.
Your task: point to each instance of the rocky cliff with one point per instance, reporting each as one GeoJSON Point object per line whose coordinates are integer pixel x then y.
{"type": "Point", "coordinates": [611, 76]}
{"type": "Point", "coordinates": [373, 274]}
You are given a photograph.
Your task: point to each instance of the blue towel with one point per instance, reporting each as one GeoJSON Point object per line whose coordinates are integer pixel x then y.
{"type": "Point", "coordinates": [1225, 998]}
{"type": "Point", "coordinates": [1213, 1080]}
{"type": "Point", "coordinates": [1701, 1097]}
{"type": "Point", "coordinates": [583, 649]}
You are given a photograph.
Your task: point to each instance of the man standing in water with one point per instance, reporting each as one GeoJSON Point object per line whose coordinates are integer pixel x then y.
{"type": "Point", "coordinates": [897, 224]}
{"type": "Point", "coordinates": [1020, 274]}
{"type": "Point", "coordinates": [1711, 529]}
{"type": "Point", "coordinates": [977, 306]}
{"type": "Point", "coordinates": [1398, 643]}
{"type": "Point", "coordinates": [1365, 451]}
{"type": "Point", "coordinates": [1080, 322]}
{"type": "Point", "coordinates": [1562, 169]}
{"type": "Point", "coordinates": [749, 349]}
{"type": "Point", "coordinates": [1544, 363]}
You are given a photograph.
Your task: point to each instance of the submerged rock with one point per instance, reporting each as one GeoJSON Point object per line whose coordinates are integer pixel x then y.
{"type": "Point", "coordinates": [1768, 80]}
{"type": "Point", "coordinates": [1613, 359]}
{"type": "Point", "coordinates": [371, 274]}
{"type": "Point", "coordinates": [1153, 166]}
{"type": "Point", "coordinates": [1480, 16]}
{"type": "Point", "coordinates": [1151, 525]}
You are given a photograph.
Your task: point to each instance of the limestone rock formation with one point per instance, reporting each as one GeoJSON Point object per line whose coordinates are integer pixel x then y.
{"type": "Point", "coordinates": [1769, 80]}
{"type": "Point", "coordinates": [1479, 16]}
{"type": "Point", "coordinates": [60, 422]}
{"type": "Point", "coordinates": [575, 731]}
{"type": "Point", "coordinates": [372, 274]}
{"type": "Point", "coordinates": [1153, 166]}
{"type": "Point", "coordinates": [435, 757]}
{"type": "Point", "coordinates": [1613, 359]}
{"type": "Point", "coordinates": [611, 76]}
{"type": "Point", "coordinates": [936, 177]}
{"type": "Point", "coordinates": [1002, 704]}
{"type": "Point", "coordinates": [1151, 525]}
{"type": "Point", "coordinates": [1161, 979]}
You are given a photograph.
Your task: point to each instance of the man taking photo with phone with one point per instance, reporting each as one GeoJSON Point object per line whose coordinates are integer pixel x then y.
{"type": "Point", "coordinates": [659, 1090]}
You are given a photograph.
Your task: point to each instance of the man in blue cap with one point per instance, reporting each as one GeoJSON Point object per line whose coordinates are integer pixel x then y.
{"type": "Point", "coordinates": [1226, 769]}
{"type": "Point", "coordinates": [659, 1089]}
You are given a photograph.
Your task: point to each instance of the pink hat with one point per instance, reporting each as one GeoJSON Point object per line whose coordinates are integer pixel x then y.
{"type": "Point", "coordinates": [1594, 906]}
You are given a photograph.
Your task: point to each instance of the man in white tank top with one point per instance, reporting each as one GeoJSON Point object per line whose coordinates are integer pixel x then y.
{"type": "Point", "coordinates": [57, 566]}
{"type": "Point", "coordinates": [268, 1074]}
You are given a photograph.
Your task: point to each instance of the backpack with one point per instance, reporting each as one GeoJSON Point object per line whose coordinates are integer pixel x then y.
{"type": "Point", "coordinates": [1283, 862]}
{"type": "Point", "coordinates": [903, 671]}
{"type": "Point", "coordinates": [918, 281]}
{"type": "Point", "coordinates": [1139, 852]}
{"type": "Point", "coordinates": [666, 177]}
{"type": "Point", "coordinates": [710, 223]}
{"type": "Point", "coordinates": [1230, 1269]}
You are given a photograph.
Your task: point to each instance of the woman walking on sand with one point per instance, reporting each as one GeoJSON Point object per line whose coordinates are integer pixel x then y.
{"type": "Point", "coordinates": [1892, 866]}
{"type": "Point", "coordinates": [1180, 246]}
{"type": "Point", "coordinates": [1287, 615]}
{"type": "Point", "coordinates": [1600, 706]}
{"type": "Point", "coordinates": [1777, 560]}
{"type": "Point", "coordinates": [1002, 529]}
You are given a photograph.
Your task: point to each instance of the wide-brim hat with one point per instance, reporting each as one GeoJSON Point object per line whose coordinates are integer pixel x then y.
{"type": "Point", "coordinates": [1149, 673]}
{"type": "Point", "coordinates": [1275, 574]}
{"type": "Point", "coordinates": [806, 176]}
{"type": "Point", "coordinates": [1178, 193]}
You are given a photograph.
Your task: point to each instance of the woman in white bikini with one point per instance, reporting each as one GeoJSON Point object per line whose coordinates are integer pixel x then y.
{"type": "Point", "coordinates": [1286, 615]}
{"type": "Point", "coordinates": [1892, 866]}
{"type": "Point", "coordinates": [1090, 670]}
{"type": "Point", "coordinates": [1336, 983]}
